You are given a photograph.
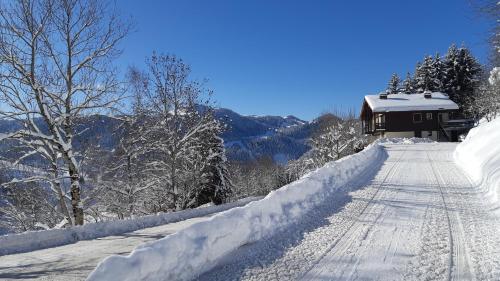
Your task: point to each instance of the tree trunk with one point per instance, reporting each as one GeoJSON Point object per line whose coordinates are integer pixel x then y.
{"type": "Point", "coordinates": [62, 203]}
{"type": "Point", "coordinates": [75, 195]}
{"type": "Point", "coordinates": [60, 194]}
{"type": "Point", "coordinates": [173, 183]}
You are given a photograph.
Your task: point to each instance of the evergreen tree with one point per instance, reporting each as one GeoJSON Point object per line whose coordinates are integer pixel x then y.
{"type": "Point", "coordinates": [462, 75]}
{"type": "Point", "coordinates": [408, 87]}
{"type": "Point", "coordinates": [393, 87]}
{"type": "Point", "coordinates": [423, 74]}
{"type": "Point", "coordinates": [215, 182]}
{"type": "Point", "coordinates": [438, 75]}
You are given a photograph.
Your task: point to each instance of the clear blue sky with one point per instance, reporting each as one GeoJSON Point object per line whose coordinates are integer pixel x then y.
{"type": "Point", "coordinates": [298, 57]}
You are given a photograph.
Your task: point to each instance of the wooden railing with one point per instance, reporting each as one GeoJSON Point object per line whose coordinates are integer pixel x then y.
{"type": "Point", "coordinates": [457, 124]}
{"type": "Point", "coordinates": [453, 127]}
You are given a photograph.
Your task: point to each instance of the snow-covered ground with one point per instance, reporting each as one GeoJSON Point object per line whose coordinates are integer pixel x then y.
{"type": "Point", "coordinates": [479, 155]}
{"type": "Point", "coordinates": [35, 240]}
{"type": "Point", "coordinates": [401, 211]}
{"type": "Point", "coordinates": [416, 217]}
{"type": "Point", "coordinates": [196, 249]}
{"type": "Point", "coordinates": [76, 261]}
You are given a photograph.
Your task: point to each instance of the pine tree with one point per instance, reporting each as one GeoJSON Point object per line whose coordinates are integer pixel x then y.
{"type": "Point", "coordinates": [408, 87]}
{"type": "Point", "coordinates": [462, 72]}
{"type": "Point", "coordinates": [212, 175]}
{"type": "Point", "coordinates": [423, 74]}
{"type": "Point", "coordinates": [393, 87]}
{"type": "Point", "coordinates": [438, 75]}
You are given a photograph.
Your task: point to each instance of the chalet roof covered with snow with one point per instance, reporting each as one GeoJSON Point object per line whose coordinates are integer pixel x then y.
{"type": "Point", "coordinates": [410, 102]}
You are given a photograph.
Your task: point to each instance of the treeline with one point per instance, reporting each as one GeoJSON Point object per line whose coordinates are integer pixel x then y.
{"type": "Point", "coordinates": [457, 74]}
{"type": "Point", "coordinates": [334, 135]}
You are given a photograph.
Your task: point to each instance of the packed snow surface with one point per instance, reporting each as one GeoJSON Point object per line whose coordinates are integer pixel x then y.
{"type": "Point", "coordinates": [196, 249]}
{"type": "Point", "coordinates": [479, 156]}
{"type": "Point", "coordinates": [410, 102]}
{"type": "Point", "coordinates": [34, 240]}
{"type": "Point", "coordinates": [411, 213]}
{"type": "Point", "coordinates": [75, 261]}
{"type": "Point", "coordinates": [395, 211]}
{"type": "Point", "coordinates": [414, 217]}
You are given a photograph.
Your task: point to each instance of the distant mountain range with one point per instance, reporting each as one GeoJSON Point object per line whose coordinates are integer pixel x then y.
{"type": "Point", "coordinates": [251, 137]}
{"type": "Point", "coordinates": [246, 137]}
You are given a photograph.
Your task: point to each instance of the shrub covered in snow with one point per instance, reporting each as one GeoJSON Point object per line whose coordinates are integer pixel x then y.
{"type": "Point", "coordinates": [479, 156]}
{"type": "Point", "coordinates": [196, 249]}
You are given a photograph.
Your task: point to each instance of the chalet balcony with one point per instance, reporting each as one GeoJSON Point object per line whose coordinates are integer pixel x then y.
{"type": "Point", "coordinates": [451, 129]}
{"type": "Point", "coordinates": [370, 128]}
{"type": "Point", "coordinates": [457, 124]}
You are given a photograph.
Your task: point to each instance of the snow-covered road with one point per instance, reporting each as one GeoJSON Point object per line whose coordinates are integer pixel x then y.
{"type": "Point", "coordinates": [417, 217]}
{"type": "Point", "coordinates": [76, 261]}
{"type": "Point", "coordinates": [414, 216]}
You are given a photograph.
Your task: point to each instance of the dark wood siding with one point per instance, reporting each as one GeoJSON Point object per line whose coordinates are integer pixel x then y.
{"type": "Point", "coordinates": [400, 121]}
{"type": "Point", "coordinates": [403, 121]}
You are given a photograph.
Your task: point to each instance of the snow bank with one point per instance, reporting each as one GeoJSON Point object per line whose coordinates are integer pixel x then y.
{"type": "Point", "coordinates": [196, 249]}
{"type": "Point", "coordinates": [479, 156]}
{"type": "Point", "coordinates": [405, 140]}
{"type": "Point", "coordinates": [35, 240]}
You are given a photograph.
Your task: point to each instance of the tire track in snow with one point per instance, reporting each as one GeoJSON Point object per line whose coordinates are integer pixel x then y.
{"type": "Point", "coordinates": [433, 260]}
{"type": "Point", "coordinates": [452, 248]}
{"type": "Point", "coordinates": [459, 262]}
{"type": "Point", "coordinates": [286, 255]}
{"type": "Point", "coordinates": [432, 224]}
{"type": "Point", "coordinates": [345, 242]}
{"type": "Point", "coordinates": [478, 221]}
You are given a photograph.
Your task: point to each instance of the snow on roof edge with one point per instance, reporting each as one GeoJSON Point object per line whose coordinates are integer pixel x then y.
{"type": "Point", "coordinates": [410, 102]}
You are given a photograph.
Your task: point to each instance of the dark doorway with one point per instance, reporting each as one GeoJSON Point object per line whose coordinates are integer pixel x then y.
{"type": "Point", "coordinates": [418, 134]}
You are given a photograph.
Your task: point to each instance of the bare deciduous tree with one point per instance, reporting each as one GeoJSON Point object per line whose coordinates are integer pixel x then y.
{"type": "Point", "coordinates": [55, 67]}
{"type": "Point", "coordinates": [177, 123]}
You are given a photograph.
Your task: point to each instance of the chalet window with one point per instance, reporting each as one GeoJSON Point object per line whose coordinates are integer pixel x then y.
{"type": "Point", "coordinates": [379, 121]}
{"type": "Point", "coordinates": [417, 117]}
{"type": "Point", "coordinates": [428, 116]}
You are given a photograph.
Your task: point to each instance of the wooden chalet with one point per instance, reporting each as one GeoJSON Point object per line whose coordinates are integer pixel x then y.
{"type": "Point", "coordinates": [427, 115]}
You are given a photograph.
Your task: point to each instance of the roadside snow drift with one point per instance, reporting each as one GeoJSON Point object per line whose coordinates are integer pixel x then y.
{"type": "Point", "coordinates": [35, 240]}
{"type": "Point", "coordinates": [479, 157]}
{"type": "Point", "coordinates": [188, 253]}
{"type": "Point", "coordinates": [405, 140]}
